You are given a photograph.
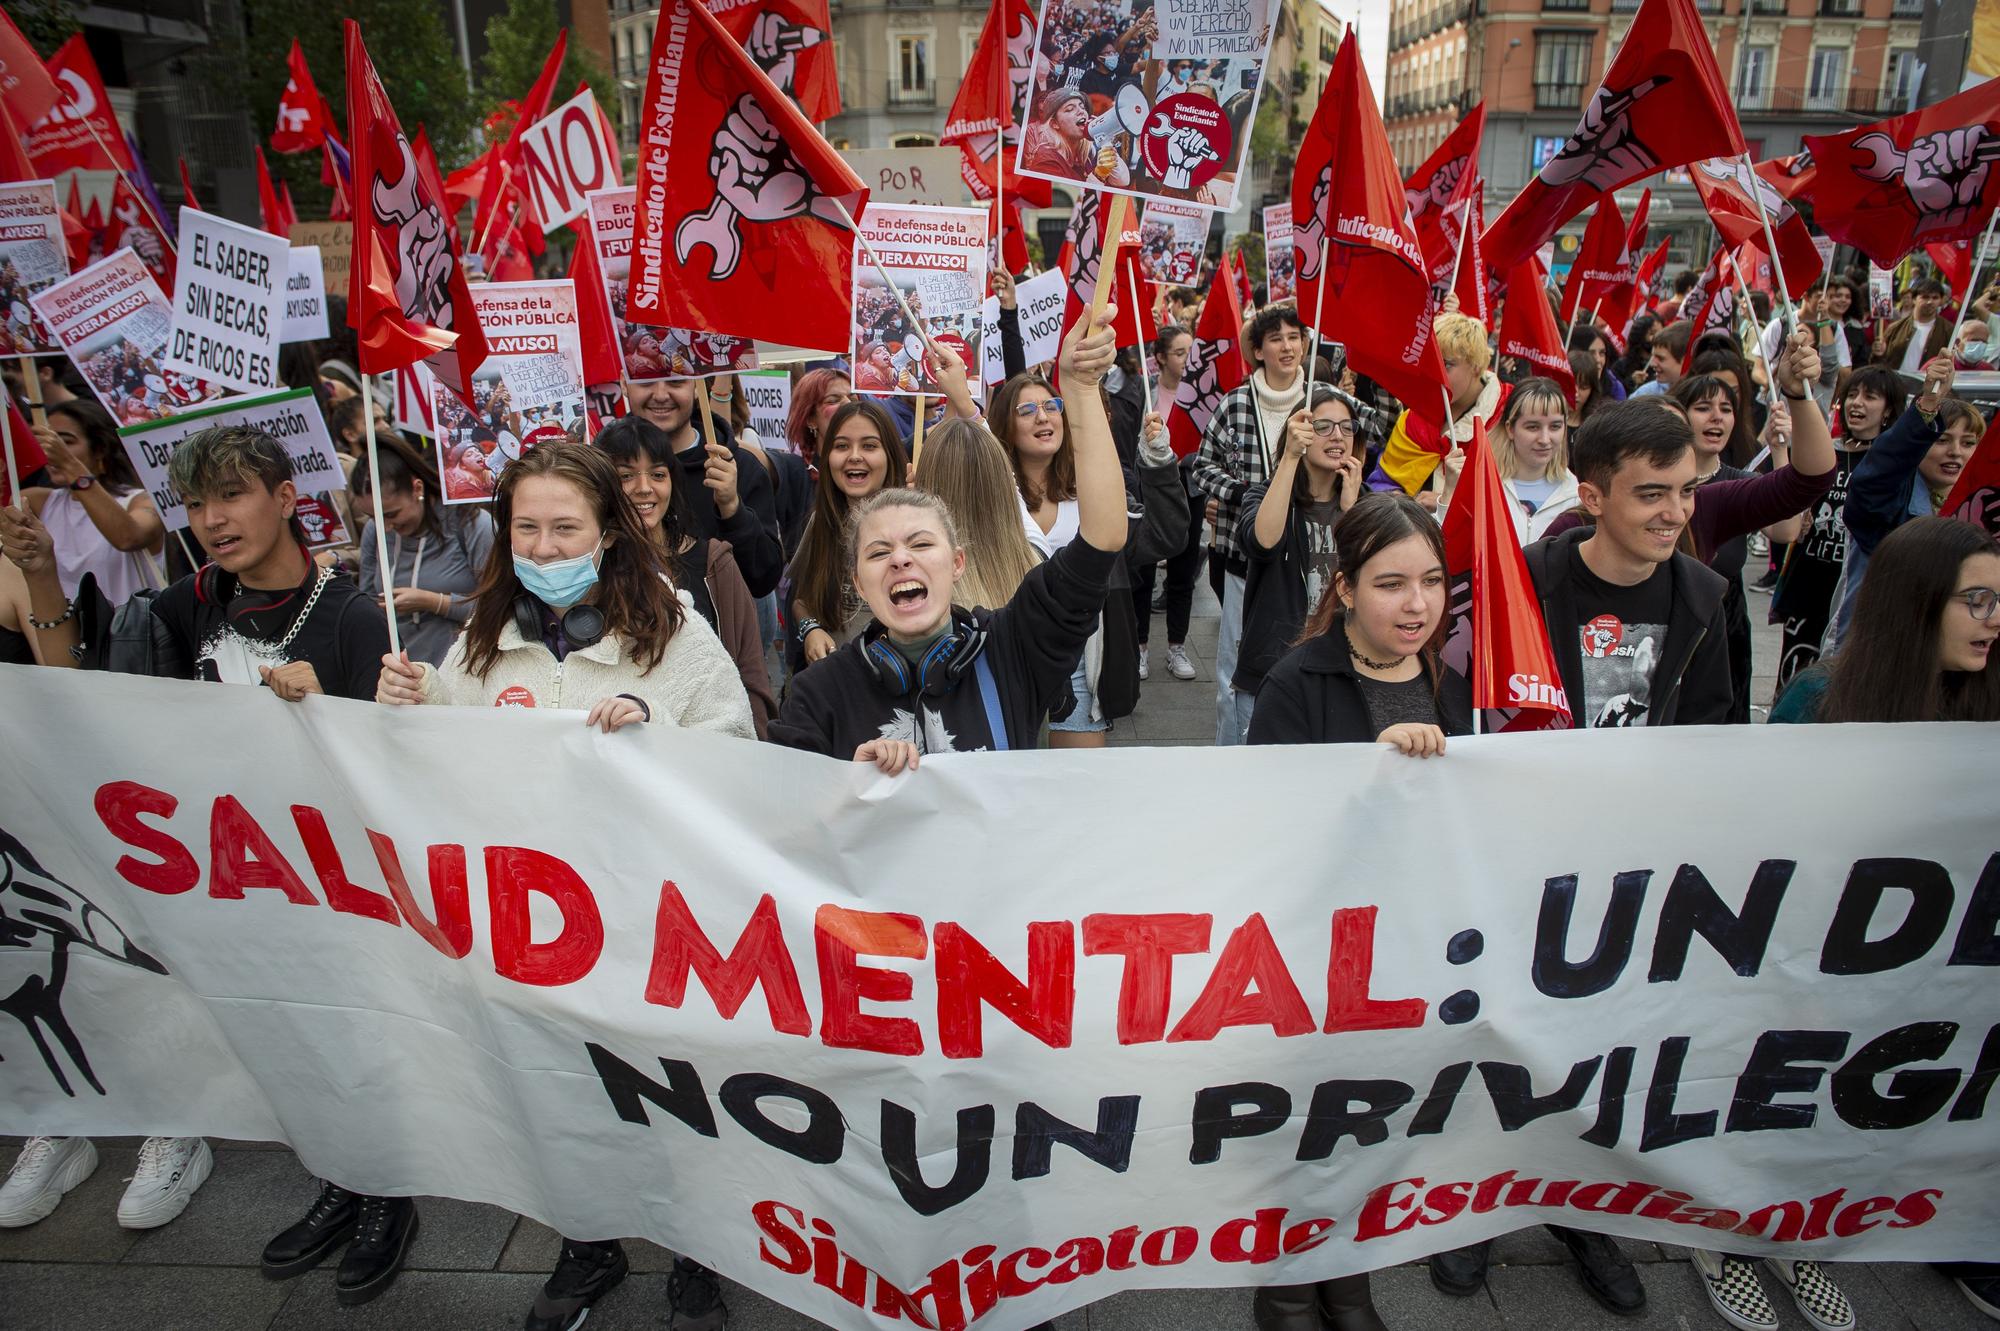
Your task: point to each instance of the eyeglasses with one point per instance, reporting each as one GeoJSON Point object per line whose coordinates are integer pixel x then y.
{"type": "Point", "coordinates": [1027, 411]}
{"type": "Point", "coordinates": [1981, 601]}
{"type": "Point", "coordinates": [1326, 429]}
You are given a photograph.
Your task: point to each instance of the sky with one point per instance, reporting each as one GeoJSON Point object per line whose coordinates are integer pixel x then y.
{"type": "Point", "coordinates": [1373, 18]}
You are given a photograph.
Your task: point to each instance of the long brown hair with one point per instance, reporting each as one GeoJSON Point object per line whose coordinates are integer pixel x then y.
{"type": "Point", "coordinates": [820, 571]}
{"type": "Point", "coordinates": [1887, 668]}
{"type": "Point", "coordinates": [632, 588]}
{"type": "Point", "coordinates": [965, 466]}
{"type": "Point", "coordinates": [1001, 420]}
{"type": "Point", "coordinates": [1376, 522]}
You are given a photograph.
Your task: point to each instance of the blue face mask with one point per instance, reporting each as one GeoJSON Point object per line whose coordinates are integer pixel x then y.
{"type": "Point", "coordinates": [1977, 352]}
{"type": "Point", "coordinates": [561, 583]}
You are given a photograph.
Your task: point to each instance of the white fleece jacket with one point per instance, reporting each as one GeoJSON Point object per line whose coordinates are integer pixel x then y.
{"type": "Point", "coordinates": [695, 684]}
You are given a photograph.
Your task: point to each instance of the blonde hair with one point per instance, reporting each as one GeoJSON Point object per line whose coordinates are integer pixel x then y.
{"type": "Point", "coordinates": [896, 498]}
{"type": "Point", "coordinates": [966, 468]}
{"type": "Point", "coordinates": [1463, 338]}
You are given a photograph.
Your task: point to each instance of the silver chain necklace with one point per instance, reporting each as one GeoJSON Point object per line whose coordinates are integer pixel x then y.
{"type": "Point", "coordinates": [305, 612]}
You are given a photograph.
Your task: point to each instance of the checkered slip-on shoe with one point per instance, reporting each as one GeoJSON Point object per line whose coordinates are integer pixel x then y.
{"type": "Point", "coordinates": [1819, 1299]}
{"type": "Point", "coordinates": [1732, 1287]}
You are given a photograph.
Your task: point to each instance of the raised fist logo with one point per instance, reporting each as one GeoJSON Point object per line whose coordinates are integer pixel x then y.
{"type": "Point", "coordinates": [757, 179]}
{"type": "Point", "coordinates": [1733, 171]}
{"type": "Point", "coordinates": [1309, 236]}
{"type": "Point", "coordinates": [1603, 153]}
{"type": "Point", "coordinates": [422, 249]}
{"type": "Point", "coordinates": [1200, 392]}
{"type": "Point", "coordinates": [1443, 184]}
{"type": "Point", "coordinates": [1187, 150]}
{"type": "Point", "coordinates": [1944, 172]}
{"type": "Point", "coordinates": [775, 45]}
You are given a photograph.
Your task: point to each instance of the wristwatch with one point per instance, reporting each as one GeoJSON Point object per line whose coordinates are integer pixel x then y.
{"type": "Point", "coordinates": [83, 482]}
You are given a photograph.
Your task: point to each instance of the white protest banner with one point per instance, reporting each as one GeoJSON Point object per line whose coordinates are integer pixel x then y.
{"type": "Point", "coordinates": [112, 320]}
{"type": "Point", "coordinates": [1171, 239]}
{"type": "Point", "coordinates": [601, 992]}
{"type": "Point", "coordinates": [909, 175]}
{"type": "Point", "coordinates": [305, 297]}
{"type": "Point", "coordinates": [1145, 98]}
{"type": "Point", "coordinates": [292, 417]}
{"type": "Point", "coordinates": [565, 157]}
{"type": "Point", "coordinates": [653, 353]}
{"type": "Point", "coordinates": [768, 394]}
{"type": "Point", "coordinates": [1281, 273]}
{"type": "Point", "coordinates": [33, 258]}
{"type": "Point", "coordinates": [528, 390]}
{"type": "Point", "coordinates": [228, 303]}
{"type": "Point", "coordinates": [937, 259]}
{"type": "Point", "coordinates": [1038, 301]}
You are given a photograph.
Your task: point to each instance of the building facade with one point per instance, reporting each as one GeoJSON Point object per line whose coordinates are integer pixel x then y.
{"type": "Point", "coordinates": [1796, 67]}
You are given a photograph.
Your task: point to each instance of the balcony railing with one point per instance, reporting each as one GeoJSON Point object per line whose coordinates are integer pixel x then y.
{"type": "Point", "coordinates": [899, 95]}
{"type": "Point", "coordinates": [1560, 96]}
{"type": "Point", "coordinates": [1415, 30]}
{"type": "Point", "coordinates": [1566, 6]}
{"type": "Point", "coordinates": [1863, 102]}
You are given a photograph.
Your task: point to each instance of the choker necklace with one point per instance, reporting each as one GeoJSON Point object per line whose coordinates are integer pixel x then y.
{"type": "Point", "coordinates": [1363, 659]}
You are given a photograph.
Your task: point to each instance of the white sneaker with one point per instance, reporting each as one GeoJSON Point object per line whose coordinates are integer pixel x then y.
{"type": "Point", "coordinates": [170, 1169]}
{"type": "Point", "coordinates": [48, 1168]}
{"type": "Point", "coordinates": [1732, 1287]}
{"type": "Point", "coordinates": [1819, 1299]}
{"type": "Point", "coordinates": [1145, 663]}
{"type": "Point", "coordinates": [1177, 663]}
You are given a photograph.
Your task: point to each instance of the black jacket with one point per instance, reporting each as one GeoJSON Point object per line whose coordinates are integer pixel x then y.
{"type": "Point", "coordinates": [1313, 696]}
{"type": "Point", "coordinates": [1691, 685]}
{"type": "Point", "coordinates": [1274, 592]}
{"type": "Point", "coordinates": [753, 532]}
{"type": "Point", "coordinates": [1032, 646]}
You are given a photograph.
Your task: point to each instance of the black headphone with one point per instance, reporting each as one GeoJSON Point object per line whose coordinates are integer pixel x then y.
{"type": "Point", "coordinates": [941, 667]}
{"type": "Point", "coordinates": [582, 625]}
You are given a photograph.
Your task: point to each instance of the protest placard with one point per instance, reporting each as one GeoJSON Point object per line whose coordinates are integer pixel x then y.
{"type": "Point", "coordinates": [1281, 270]}
{"type": "Point", "coordinates": [32, 259]}
{"type": "Point", "coordinates": [1144, 98]}
{"type": "Point", "coordinates": [1171, 239]}
{"type": "Point", "coordinates": [292, 417]}
{"type": "Point", "coordinates": [937, 259]}
{"type": "Point", "coordinates": [565, 157]}
{"type": "Point", "coordinates": [305, 297]}
{"type": "Point", "coordinates": [112, 321]}
{"type": "Point", "coordinates": [1039, 304]}
{"type": "Point", "coordinates": [528, 391]}
{"type": "Point", "coordinates": [653, 353]}
{"type": "Point", "coordinates": [910, 175]}
{"type": "Point", "coordinates": [768, 394]}
{"type": "Point", "coordinates": [335, 243]}
{"type": "Point", "coordinates": [1881, 293]}
{"type": "Point", "coordinates": [990, 1106]}
{"type": "Point", "coordinates": [228, 303]}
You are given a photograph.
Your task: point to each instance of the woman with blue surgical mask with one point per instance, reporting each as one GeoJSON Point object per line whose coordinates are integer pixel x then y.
{"type": "Point", "coordinates": [575, 611]}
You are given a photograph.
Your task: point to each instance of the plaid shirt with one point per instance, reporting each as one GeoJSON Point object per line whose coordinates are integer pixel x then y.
{"type": "Point", "coordinates": [1233, 457]}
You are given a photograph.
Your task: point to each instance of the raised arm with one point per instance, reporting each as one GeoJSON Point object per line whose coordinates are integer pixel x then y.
{"type": "Point", "coordinates": [1100, 480]}
{"type": "Point", "coordinates": [1797, 370]}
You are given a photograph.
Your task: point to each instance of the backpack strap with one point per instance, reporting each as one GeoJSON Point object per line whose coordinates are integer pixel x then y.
{"type": "Point", "coordinates": [989, 696]}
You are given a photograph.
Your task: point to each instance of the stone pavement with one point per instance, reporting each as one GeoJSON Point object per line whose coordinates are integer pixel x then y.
{"type": "Point", "coordinates": [477, 1267]}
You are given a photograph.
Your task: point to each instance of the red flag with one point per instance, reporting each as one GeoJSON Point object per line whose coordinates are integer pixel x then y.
{"type": "Point", "coordinates": [406, 297]}
{"type": "Point", "coordinates": [613, 158]}
{"type": "Point", "coordinates": [1662, 103]}
{"type": "Point", "coordinates": [1919, 179]}
{"type": "Point", "coordinates": [792, 41]}
{"type": "Point", "coordinates": [602, 363]}
{"type": "Point", "coordinates": [1975, 496]}
{"type": "Point", "coordinates": [130, 224]}
{"type": "Point", "coordinates": [14, 163]}
{"type": "Point", "coordinates": [492, 205]}
{"type": "Point", "coordinates": [1475, 281]}
{"type": "Point", "coordinates": [1609, 289]}
{"type": "Point", "coordinates": [1214, 364]}
{"type": "Point", "coordinates": [1442, 194]}
{"type": "Point", "coordinates": [93, 219]}
{"type": "Point", "coordinates": [1725, 185]}
{"type": "Point", "coordinates": [1512, 665]}
{"type": "Point", "coordinates": [740, 227]}
{"type": "Point", "coordinates": [302, 117]}
{"type": "Point", "coordinates": [187, 189]}
{"type": "Point", "coordinates": [26, 86]}
{"type": "Point", "coordinates": [1620, 311]}
{"type": "Point", "coordinates": [1597, 258]}
{"type": "Point", "coordinates": [985, 102]}
{"type": "Point", "coordinates": [1711, 302]}
{"type": "Point", "coordinates": [1349, 211]}
{"type": "Point", "coordinates": [333, 173]}
{"type": "Point", "coordinates": [28, 455]}
{"type": "Point", "coordinates": [1954, 265]}
{"type": "Point", "coordinates": [427, 163]}
{"type": "Point", "coordinates": [270, 212]}
{"type": "Point", "coordinates": [1088, 224]}
{"type": "Point", "coordinates": [1528, 331]}
{"type": "Point", "coordinates": [80, 134]}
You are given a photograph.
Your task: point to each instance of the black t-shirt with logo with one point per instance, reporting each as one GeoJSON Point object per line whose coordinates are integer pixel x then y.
{"type": "Point", "coordinates": [1621, 631]}
{"type": "Point", "coordinates": [223, 637]}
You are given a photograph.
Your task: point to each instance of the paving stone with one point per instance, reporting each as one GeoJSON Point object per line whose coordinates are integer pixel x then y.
{"type": "Point", "coordinates": [85, 1227]}
{"type": "Point", "coordinates": [58, 1297]}
{"type": "Point", "coordinates": [1541, 1297]}
{"type": "Point", "coordinates": [1408, 1301]}
{"type": "Point", "coordinates": [1928, 1299]}
{"type": "Point", "coordinates": [535, 1247]}
{"type": "Point", "coordinates": [250, 1197]}
{"type": "Point", "coordinates": [463, 1301]}
{"type": "Point", "coordinates": [1154, 1309]}
{"type": "Point", "coordinates": [459, 1236]}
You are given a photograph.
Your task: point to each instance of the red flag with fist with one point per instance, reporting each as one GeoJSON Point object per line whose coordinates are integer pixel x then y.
{"type": "Point", "coordinates": [744, 211]}
{"type": "Point", "coordinates": [302, 116]}
{"type": "Point", "coordinates": [1725, 185]}
{"type": "Point", "coordinates": [1214, 364]}
{"type": "Point", "coordinates": [792, 41]}
{"type": "Point", "coordinates": [1442, 194]}
{"type": "Point", "coordinates": [1528, 331]}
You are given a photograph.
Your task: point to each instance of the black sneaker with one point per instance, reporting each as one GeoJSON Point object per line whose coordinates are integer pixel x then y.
{"type": "Point", "coordinates": [585, 1273]}
{"type": "Point", "coordinates": [382, 1234]}
{"type": "Point", "coordinates": [1766, 583]}
{"type": "Point", "coordinates": [1605, 1271]}
{"type": "Point", "coordinates": [327, 1225]}
{"type": "Point", "coordinates": [1460, 1272]}
{"type": "Point", "coordinates": [694, 1298]}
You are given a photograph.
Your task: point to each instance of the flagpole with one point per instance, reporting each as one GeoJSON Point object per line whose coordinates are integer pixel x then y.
{"type": "Point", "coordinates": [1451, 439]}
{"type": "Point", "coordinates": [1771, 239]}
{"type": "Point", "coordinates": [7, 441]}
{"type": "Point", "coordinates": [1319, 312]}
{"type": "Point", "coordinates": [1145, 377]}
{"type": "Point", "coordinates": [1972, 281]}
{"type": "Point", "coordinates": [917, 439]}
{"type": "Point", "coordinates": [381, 526]}
{"type": "Point", "coordinates": [1114, 236]}
{"type": "Point", "coordinates": [1756, 342]}
{"type": "Point", "coordinates": [896, 291]}
{"type": "Point", "coordinates": [1464, 233]}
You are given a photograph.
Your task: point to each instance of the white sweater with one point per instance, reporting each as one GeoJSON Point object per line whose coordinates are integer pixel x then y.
{"type": "Point", "coordinates": [695, 684]}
